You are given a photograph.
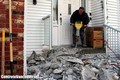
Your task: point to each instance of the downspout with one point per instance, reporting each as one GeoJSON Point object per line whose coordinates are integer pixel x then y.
{"type": "Point", "coordinates": [25, 29]}
{"type": "Point", "coordinates": [105, 23]}
{"type": "Point", "coordinates": [105, 12]}
{"type": "Point", "coordinates": [51, 24]}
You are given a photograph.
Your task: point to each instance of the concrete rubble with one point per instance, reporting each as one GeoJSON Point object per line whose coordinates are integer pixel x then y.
{"type": "Point", "coordinates": [69, 64]}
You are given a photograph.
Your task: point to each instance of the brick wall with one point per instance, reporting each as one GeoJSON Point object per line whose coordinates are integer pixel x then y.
{"type": "Point", "coordinates": [18, 30]}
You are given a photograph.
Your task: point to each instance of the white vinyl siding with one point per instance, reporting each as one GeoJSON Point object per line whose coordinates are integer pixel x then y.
{"type": "Point", "coordinates": [95, 7]}
{"type": "Point", "coordinates": [34, 31]}
{"type": "Point", "coordinates": [113, 13]}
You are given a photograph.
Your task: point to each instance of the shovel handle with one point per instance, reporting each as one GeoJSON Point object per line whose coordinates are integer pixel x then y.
{"type": "Point", "coordinates": [3, 53]}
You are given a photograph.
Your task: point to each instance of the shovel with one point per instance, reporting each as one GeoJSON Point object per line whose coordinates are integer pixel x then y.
{"type": "Point", "coordinates": [3, 53]}
{"type": "Point", "coordinates": [78, 26]}
{"type": "Point", "coordinates": [10, 27]}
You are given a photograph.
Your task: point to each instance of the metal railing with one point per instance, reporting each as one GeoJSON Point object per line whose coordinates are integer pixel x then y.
{"type": "Point", "coordinates": [112, 41]}
{"type": "Point", "coordinates": [47, 30]}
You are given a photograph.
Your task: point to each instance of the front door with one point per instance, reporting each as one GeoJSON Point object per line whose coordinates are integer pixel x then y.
{"type": "Point", "coordinates": [65, 10]}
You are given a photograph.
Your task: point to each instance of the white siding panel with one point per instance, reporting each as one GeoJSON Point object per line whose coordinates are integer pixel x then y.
{"type": "Point", "coordinates": [35, 25]}
{"type": "Point", "coordinates": [88, 9]}
{"type": "Point", "coordinates": [97, 13]}
{"type": "Point", "coordinates": [96, 9]}
{"type": "Point", "coordinates": [113, 17]}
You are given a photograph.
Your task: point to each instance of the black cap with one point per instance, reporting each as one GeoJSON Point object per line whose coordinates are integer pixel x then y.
{"type": "Point", "coordinates": [81, 8]}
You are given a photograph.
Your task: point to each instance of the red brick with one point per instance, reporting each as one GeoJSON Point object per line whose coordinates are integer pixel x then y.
{"type": "Point", "coordinates": [2, 11]}
{"type": "Point", "coordinates": [7, 43]}
{"type": "Point", "coordinates": [7, 53]}
{"type": "Point", "coordinates": [7, 25]}
{"type": "Point", "coordinates": [14, 25]}
{"type": "Point", "coordinates": [15, 48]}
{"type": "Point", "coordinates": [18, 30]}
{"type": "Point", "coordinates": [2, 6]}
{"type": "Point", "coordinates": [7, 15]}
{"type": "Point", "coordinates": [15, 39]}
{"type": "Point", "coordinates": [20, 43]}
{"type": "Point", "coordinates": [18, 21]}
{"type": "Point", "coordinates": [7, 58]}
{"type": "Point", "coordinates": [15, 52]}
{"type": "Point", "coordinates": [2, 25]}
{"type": "Point", "coordinates": [2, 16]}
{"type": "Point", "coordinates": [20, 61]}
{"type": "Point", "coordinates": [17, 27]}
{"type": "Point", "coordinates": [7, 72]}
{"type": "Point", "coordinates": [7, 48]}
{"type": "Point", "coordinates": [14, 16]}
{"type": "Point", "coordinates": [1, 3]}
{"type": "Point", "coordinates": [20, 8]}
{"type": "Point", "coordinates": [18, 39]}
{"type": "Point", "coordinates": [19, 0]}
{"type": "Point", "coordinates": [15, 3]}
{"type": "Point", "coordinates": [20, 48]}
{"type": "Point", "coordinates": [4, 20]}
{"type": "Point", "coordinates": [20, 25]}
{"type": "Point", "coordinates": [15, 43]}
{"type": "Point", "coordinates": [20, 71]}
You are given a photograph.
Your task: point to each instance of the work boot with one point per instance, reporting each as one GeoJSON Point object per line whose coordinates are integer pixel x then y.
{"type": "Point", "coordinates": [73, 45]}
{"type": "Point", "coordinates": [84, 46]}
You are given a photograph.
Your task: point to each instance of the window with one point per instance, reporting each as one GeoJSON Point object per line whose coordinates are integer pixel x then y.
{"type": "Point", "coordinates": [69, 9]}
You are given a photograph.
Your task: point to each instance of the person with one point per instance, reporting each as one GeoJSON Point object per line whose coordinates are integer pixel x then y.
{"type": "Point", "coordinates": [79, 15]}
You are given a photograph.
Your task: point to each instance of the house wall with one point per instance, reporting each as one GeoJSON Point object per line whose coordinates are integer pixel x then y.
{"type": "Point", "coordinates": [113, 13]}
{"type": "Point", "coordinates": [17, 29]}
{"type": "Point", "coordinates": [96, 12]}
{"type": "Point", "coordinates": [34, 25]}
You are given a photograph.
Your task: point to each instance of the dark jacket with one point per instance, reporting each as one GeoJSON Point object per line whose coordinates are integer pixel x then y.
{"type": "Point", "coordinates": [77, 17]}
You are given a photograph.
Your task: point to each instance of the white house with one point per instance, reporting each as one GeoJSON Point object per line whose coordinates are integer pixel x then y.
{"type": "Point", "coordinates": [47, 22]}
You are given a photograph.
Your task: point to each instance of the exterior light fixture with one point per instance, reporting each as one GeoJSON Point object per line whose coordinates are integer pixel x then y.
{"type": "Point", "coordinates": [34, 2]}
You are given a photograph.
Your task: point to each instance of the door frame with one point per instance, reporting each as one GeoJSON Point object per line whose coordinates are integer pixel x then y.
{"type": "Point", "coordinates": [59, 23]}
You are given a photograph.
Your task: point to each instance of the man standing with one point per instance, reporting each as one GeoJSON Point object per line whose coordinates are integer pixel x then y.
{"type": "Point", "coordinates": [77, 16]}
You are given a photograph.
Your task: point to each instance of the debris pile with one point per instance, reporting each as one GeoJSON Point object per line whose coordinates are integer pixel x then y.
{"type": "Point", "coordinates": [70, 64]}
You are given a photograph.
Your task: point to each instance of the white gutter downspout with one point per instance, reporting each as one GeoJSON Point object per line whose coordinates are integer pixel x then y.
{"type": "Point", "coordinates": [105, 12]}
{"type": "Point", "coordinates": [51, 24]}
{"type": "Point", "coordinates": [105, 23]}
{"type": "Point", "coordinates": [25, 28]}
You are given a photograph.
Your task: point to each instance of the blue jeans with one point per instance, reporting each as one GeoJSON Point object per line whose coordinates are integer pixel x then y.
{"type": "Point", "coordinates": [81, 32]}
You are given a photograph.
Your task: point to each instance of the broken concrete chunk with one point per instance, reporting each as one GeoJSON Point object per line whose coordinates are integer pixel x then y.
{"type": "Point", "coordinates": [32, 62]}
{"type": "Point", "coordinates": [69, 71]}
{"type": "Point", "coordinates": [86, 61]}
{"type": "Point", "coordinates": [54, 66]}
{"type": "Point", "coordinates": [94, 69]}
{"type": "Point", "coordinates": [58, 71]}
{"type": "Point", "coordinates": [73, 59]}
{"type": "Point", "coordinates": [57, 76]}
{"type": "Point", "coordinates": [87, 73]}
{"type": "Point", "coordinates": [69, 64]}
{"type": "Point", "coordinates": [33, 70]}
{"type": "Point", "coordinates": [70, 77]}
{"type": "Point", "coordinates": [48, 72]}
{"type": "Point", "coordinates": [32, 56]}
{"type": "Point", "coordinates": [45, 48]}
{"type": "Point", "coordinates": [39, 58]}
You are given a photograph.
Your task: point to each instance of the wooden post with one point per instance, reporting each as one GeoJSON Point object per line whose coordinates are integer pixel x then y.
{"type": "Point", "coordinates": [3, 53]}
{"type": "Point", "coordinates": [10, 27]}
